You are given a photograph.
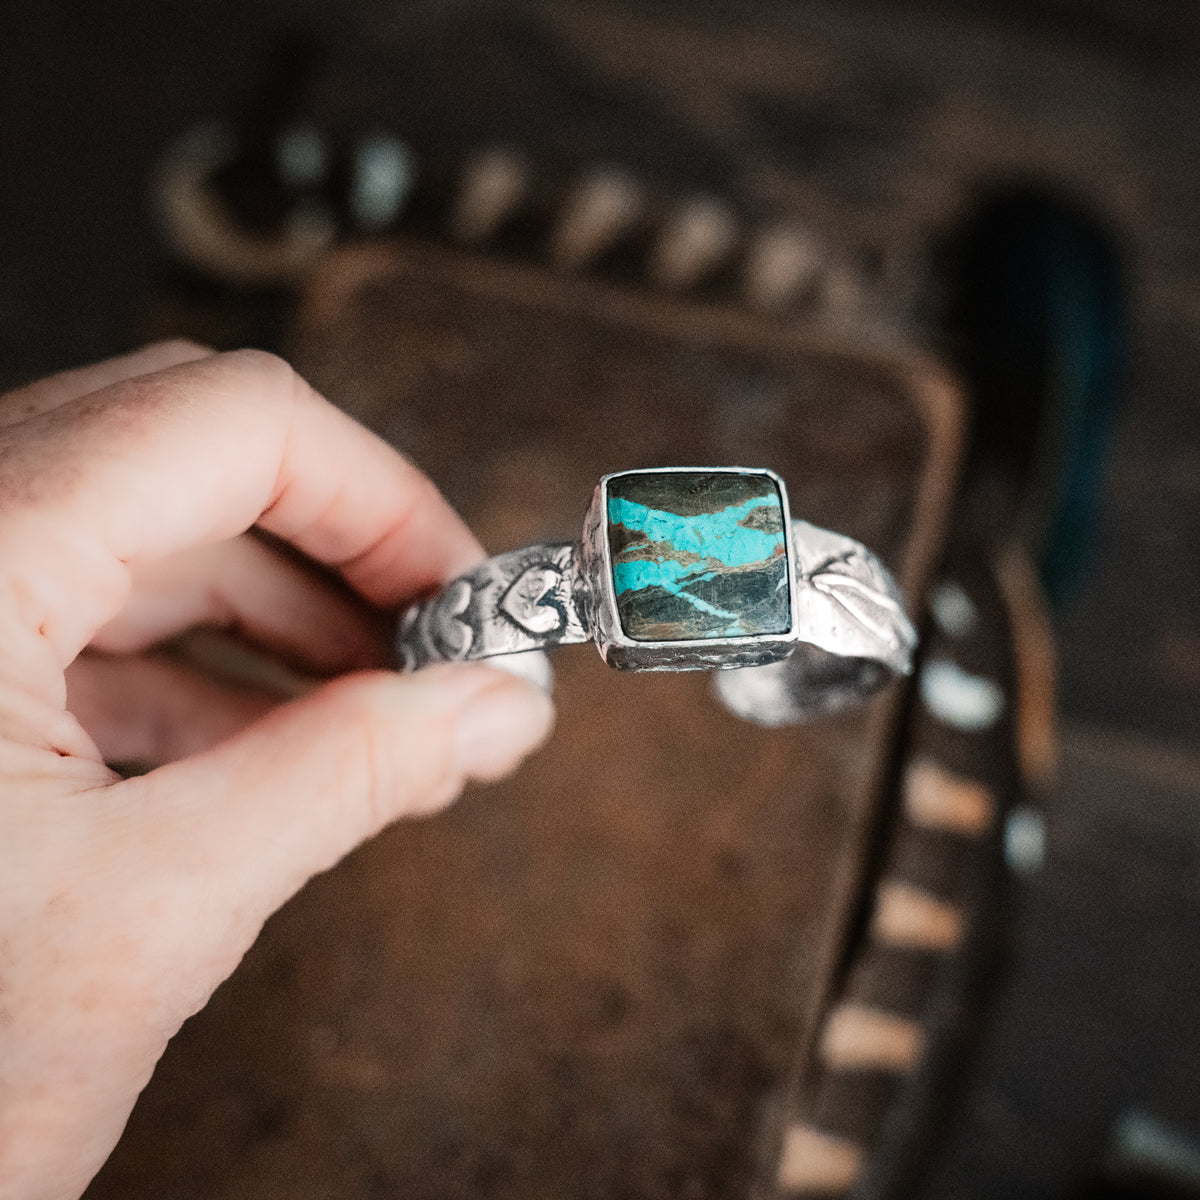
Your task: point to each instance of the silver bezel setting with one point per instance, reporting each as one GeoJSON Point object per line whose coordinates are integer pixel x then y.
{"type": "Point", "coordinates": [626, 653]}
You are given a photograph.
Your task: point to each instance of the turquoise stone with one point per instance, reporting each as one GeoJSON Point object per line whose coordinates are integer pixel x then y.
{"type": "Point", "coordinates": [698, 554]}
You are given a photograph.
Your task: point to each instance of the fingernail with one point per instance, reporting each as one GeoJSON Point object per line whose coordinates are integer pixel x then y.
{"type": "Point", "coordinates": [500, 728]}
{"type": "Point", "coordinates": [533, 666]}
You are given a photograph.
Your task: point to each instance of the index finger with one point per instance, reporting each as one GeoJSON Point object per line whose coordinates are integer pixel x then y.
{"type": "Point", "coordinates": [197, 453]}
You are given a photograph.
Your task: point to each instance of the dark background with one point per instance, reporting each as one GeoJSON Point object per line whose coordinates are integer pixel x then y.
{"type": "Point", "coordinates": [1098, 1018]}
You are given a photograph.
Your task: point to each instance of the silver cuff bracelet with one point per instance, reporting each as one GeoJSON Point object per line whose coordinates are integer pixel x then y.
{"type": "Point", "coordinates": [682, 568]}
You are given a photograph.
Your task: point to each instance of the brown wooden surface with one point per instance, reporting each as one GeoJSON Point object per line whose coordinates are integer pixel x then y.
{"type": "Point", "coordinates": [596, 979]}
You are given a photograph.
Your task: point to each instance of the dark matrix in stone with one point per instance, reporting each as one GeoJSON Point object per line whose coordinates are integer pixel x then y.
{"type": "Point", "coordinates": [698, 554]}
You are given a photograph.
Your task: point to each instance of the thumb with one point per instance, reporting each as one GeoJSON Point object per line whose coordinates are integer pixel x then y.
{"type": "Point", "coordinates": [251, 820]}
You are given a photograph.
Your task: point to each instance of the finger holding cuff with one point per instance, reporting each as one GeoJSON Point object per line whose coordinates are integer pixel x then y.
{"type": "Point", "coordinates": [294, 792]}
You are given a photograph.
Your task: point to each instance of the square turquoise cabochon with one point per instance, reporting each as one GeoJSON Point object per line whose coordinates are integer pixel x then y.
{"type": "Point", "coordinates": [698, 554]}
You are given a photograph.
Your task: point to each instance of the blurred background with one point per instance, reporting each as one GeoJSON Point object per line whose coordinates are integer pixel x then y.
{"type": "Point", "coordinates": [935, 150]}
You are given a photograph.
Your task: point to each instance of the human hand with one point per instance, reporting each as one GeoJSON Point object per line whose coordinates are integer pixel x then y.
{"type": "Point", "coordinates": [126, 493]}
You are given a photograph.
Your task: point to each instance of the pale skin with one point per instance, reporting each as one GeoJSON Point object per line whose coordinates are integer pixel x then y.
{"type": "Point", "coordinates": [130, 496]}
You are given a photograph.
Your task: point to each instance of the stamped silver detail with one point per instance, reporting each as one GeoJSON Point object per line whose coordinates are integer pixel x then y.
{"type": "Point", "coordinates": [536, 601]}
{"type": "Point", "coordinates": [848, 602]}
{"type": "Point", "coordinates": [452, 634]}
{"type": "Point", "coordinates": [515, 602]}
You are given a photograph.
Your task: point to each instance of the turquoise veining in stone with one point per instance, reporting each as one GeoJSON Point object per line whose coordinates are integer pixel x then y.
{"type": "Point", "coordinates": [698, 554]}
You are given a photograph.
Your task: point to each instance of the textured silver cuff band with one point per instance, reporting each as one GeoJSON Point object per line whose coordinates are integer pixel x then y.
{"type": "Point", "coordinates": [539, 597]}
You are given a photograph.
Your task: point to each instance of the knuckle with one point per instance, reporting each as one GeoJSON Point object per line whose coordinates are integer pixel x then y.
{"type": "Point", "coordinates": [179, 348]}
{"type": "Point", "coordinates": [270, 376]}
{"type": "Point", "coordinates": [268, 379]}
